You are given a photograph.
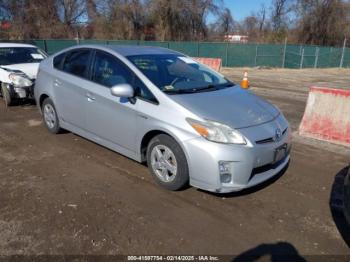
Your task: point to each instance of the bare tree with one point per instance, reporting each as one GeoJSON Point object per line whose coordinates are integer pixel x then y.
{"type": "Point", "coordinates": [323, 22]}
{"type": "Point", "coordinates": [250, 27]}
{"type": "Point", "coordinates": [256, 25]}
{"type": "Point", "coordinates": [225, 22]}
{"type": "Point", "coordinates": [279, 19]}
{"type": "Point", "coordinates": [278, 13]}
{"type": "Point", "coordinates": [261, 15]}
{"type": "Point", "coordinates": [181, 19]}
{"type": "Point", "coordinates": [33, 19]}
{"type": "Point", "coordinates": [134, 12]}
{"type": "Point", "coordinates": [91, 8]}
{"type": "Point", "coordinates": [71, 13]}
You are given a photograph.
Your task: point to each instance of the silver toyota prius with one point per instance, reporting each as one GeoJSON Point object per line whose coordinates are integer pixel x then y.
{"type": "Point", "coordinates": [189, 123]}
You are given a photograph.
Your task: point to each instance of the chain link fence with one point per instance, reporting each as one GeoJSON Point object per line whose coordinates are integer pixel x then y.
{"type": "Point", "coordinates": [232, 54]}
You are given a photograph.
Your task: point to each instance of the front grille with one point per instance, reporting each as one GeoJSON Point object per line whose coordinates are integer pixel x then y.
{"type": "Point", "coordinates": [262, 169]}
{"type": "Point", "coordinates": [264, 141]}
{"type": "Point", "coordinates": [270, 139]}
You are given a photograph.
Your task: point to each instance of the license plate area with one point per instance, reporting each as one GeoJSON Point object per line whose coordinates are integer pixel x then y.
{"type": "Point", "coordinates": [280, 153]}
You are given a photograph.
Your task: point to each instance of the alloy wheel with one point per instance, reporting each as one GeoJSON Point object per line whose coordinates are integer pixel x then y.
{"type": "Point", "coordinates": [164, 163]}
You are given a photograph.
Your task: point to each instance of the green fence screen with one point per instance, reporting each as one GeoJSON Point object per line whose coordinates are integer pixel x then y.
{"type": "Point", "coordinates": [232, 54]}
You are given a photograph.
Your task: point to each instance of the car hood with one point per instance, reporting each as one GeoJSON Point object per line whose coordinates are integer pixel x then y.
{"type": "Point", "coordinates": [232, 106]}
{"type": "Point", "coordinates": [30, 69]}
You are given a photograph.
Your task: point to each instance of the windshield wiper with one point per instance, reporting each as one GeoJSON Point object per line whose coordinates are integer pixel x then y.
{"type": "Point", "coordinates": [197, 90]}
{"type": "Point", "coordinates": [207, 88]}
{"type": "Point", "coordinates": [178, 91]}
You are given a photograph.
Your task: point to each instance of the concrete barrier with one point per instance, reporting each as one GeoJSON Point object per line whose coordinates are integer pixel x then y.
{"type": "Point", "coordinates": [213, 63]}
{"type": "Point", "coordinates": [327, 115]}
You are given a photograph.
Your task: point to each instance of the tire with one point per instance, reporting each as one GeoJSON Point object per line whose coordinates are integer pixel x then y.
{"type": "Point", "coordinates": [50, 117]}
{"type": "Point", "coordinates": [6, 95]}
{"type": "Point", "coordinates": [159, 158]}
{"type": "Point", "coordinates": [347, 196]}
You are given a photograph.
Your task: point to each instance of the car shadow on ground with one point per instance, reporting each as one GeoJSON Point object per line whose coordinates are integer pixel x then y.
{"type": "Point", "coordinates": [280, 251]}
{"type": "Point", "coordinates": [252, 189]}
{"type": "Point", "coordinates": [27, 102]}
{"type": "Point", "coordinates": [20, 102]}
{"type": "Point", "coordinates": [336, 204]}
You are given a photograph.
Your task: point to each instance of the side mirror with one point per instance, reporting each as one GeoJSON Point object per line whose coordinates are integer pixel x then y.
{"type": "Point", "coordinates": [122, 90]}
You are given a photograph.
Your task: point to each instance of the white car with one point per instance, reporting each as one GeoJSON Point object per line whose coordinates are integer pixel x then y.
{"type": "Point", "coordinates": [19, 65]}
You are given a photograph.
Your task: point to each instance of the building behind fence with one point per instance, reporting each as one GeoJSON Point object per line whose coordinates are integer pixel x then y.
{"type": "Point", "coordinates": [234, 54]}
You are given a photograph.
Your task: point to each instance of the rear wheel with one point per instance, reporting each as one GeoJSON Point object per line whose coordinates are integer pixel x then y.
{"type": "Point", "coordinates": [50, 117]}
{"type": "Point", "coordinates": [167, 162]}
{"type": "Point", "coordinates": [6, 95]}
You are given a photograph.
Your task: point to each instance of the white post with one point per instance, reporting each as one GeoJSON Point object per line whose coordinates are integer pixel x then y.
{"type": "Point", "coordinates": [77, 38]}
{"type": "Point", "coordinates": [343, 54]}
{"type": "Point", "coordinates": [284, 53]}
{"type": "Point", "coordinates": [226, 54]}
{"type": "Point", "coordinates": [302, 58]}
{"type": "Point", "coordinates": [316, 56]}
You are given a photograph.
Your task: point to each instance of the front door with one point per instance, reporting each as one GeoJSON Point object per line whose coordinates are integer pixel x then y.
{"type": "Point", "coordinates": [109, 118]}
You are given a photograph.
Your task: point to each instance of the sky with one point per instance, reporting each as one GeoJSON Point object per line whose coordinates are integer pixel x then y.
{"type": "Point", "coordinates": [242, 8]}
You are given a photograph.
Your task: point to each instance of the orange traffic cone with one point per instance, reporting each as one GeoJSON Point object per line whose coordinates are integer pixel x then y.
{"type": "Point", "coordinates": [245, 81]}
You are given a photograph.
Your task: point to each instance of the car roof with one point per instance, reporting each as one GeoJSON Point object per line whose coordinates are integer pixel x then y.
{"type": "Point", "coordinates": [129, 50]}
{"type": "Point", "coordinates": [15, 45]}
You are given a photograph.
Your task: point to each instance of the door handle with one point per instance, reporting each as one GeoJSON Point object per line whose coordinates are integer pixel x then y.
{"type": "Point", "coordinates": [57, 82]}
{"type": "Point", "coordinates": [143, 116]}
{"type": "Point", "coordinates": [90, 97]}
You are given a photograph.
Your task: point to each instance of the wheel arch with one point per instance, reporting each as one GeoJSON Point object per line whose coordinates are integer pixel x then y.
{"type": "Point", "coordinates": [150, 135]}
{"type": "Point", "coordinates": [147, 138]}
{"type": "Point", "coordinates": [41, 99]}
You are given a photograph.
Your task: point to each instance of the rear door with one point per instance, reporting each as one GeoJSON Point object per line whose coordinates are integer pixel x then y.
{"type": "Point", "coordinates": [70, 82]}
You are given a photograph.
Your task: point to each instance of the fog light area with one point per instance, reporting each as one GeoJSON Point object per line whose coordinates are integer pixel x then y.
{"type": "Point", "coordinates": [225, 172]}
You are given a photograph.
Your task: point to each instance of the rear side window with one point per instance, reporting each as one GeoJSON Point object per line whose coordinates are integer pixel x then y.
{"type": "Point", "coordinates": [108, 71]}
{"type": "Point", "coordinates": [57, 61]}
{"type": "Point", "coordinates": [77, 63]}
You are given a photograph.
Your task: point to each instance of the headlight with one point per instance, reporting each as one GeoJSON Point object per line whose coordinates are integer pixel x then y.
{"type": "Point", "coordinates": [217, 132]}
{"type": "Point", "coordinates": [20, 80]}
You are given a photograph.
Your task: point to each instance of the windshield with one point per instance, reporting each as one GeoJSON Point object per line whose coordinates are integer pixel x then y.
{"type": "Point", "coordinates": [176, 74]}
{"type": "Point", "coordinates": [20, 55]}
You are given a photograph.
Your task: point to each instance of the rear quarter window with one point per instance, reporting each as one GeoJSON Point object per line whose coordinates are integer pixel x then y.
{"type": "Point", "coordinates": [57, 61]}
{"type": "Point", "coordinates": [77, 63]}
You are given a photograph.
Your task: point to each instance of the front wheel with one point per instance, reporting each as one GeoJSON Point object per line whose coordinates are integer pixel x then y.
{"type": "Point", "coordinates": [50, 117]}
{"type": "Point", "coordinates": [6, 95]}
{"type": "Point", "coordinates": [167, 162]}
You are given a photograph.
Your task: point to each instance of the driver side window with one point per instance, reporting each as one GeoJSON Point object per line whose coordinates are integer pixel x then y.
{"type": "Point", "coordinates": [108, 71]}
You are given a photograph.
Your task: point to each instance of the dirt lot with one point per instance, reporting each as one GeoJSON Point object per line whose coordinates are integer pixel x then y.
{"type": "Point", "coordinates": [61, 194]}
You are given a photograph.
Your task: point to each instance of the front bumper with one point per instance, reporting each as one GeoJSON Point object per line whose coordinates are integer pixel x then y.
{"type": "Point", "coordinates": [249, 165]}
{"type": "Point", "coordinates": [21, 92]}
